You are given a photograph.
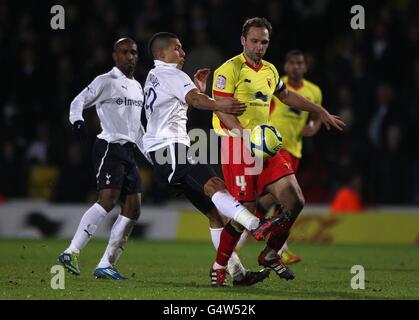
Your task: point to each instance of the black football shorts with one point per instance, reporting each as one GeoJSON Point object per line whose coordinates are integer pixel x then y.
{"type": "Point", "coordinates": [181, 172]}
{"type": "Point", "coordinates": [115, 167]}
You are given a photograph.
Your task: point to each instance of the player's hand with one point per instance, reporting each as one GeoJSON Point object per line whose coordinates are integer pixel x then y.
{"type": "Point", "coordinates": [330, 120]}
{"type": "Point", "coordinates": [231, 105]}
{"type": "Point", "coordinates": [200, 79]}
{"type": "Point", "coordinates": [80, 130]}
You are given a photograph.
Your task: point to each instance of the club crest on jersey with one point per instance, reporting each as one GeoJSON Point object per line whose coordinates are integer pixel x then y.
{"type": "Point", "coordinates": [220, 83]}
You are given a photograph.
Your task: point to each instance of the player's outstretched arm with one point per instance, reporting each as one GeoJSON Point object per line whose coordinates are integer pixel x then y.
{"type": "Point", "coordinates": [313, 125]}
{"type": "Point", "coordinates": [230, 121]}
{"type": "Point", "coordinates": [297, 101]}
{"type": "Point", "coordinates": [201, 101]}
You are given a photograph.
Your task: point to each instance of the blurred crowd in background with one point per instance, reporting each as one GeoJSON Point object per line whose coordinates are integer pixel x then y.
{"type": "Point", "coordinates": [369, 77]}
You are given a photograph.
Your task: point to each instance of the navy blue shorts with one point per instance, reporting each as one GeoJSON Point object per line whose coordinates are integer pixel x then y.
{"type": "Point", "coordinates": [115, 167]}
{"type": "Point", "coordinates": [185, 175]}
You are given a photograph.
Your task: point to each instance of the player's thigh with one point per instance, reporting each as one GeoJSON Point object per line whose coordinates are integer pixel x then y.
{"type": "Point", "coordinates": [108, 198]}
{"type": "Point", "coordinates": [287, 192]}
{"type": "Point", "coordinates": [240, 185]}
{"type": "Point", "coordinates": [205, 206]}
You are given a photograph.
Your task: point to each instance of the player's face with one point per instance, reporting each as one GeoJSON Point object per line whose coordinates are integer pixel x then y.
{"type": "Point", "coordinates": [126, 57]}
{"type": "Point", "coordinates": [255, 43]}
{"type": "Point", "coordinates": [174, 53]}
{"type": "Point", "coordinates": [295, 67]}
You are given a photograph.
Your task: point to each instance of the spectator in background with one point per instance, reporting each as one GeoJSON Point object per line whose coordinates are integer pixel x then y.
{"type": "Point", "coordinates": [11, 173]}
{"type": "Point", "coordinates": [348, 199]}
{"type": "Point", "coordinates": [71, 185]}
{"type": "Point", "coordinates": [38, 149]}
{"type": "Point", "coordinates": [202, 54]}
{"type": "Point", "coordinates": [385, 111]}
{"type": "Point", "coordinates": [392, 169]}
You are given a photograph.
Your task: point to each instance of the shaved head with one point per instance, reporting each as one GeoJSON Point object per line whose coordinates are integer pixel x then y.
{"type": "Point", "coordinates": [160, 40]}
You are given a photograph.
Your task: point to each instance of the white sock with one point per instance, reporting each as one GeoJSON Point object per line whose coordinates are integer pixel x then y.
{"type": "Point", "coordinates": [231, 208]}
{"type": "Point", "coordinates": [242, 240]}
{"type": "Point", "coordinates": [87, 227]}
{"type": "Point", "coordinates": [120, 233]}
{"type": "Point", "coordinates": [217, 266]}
{"type": "Point", "coordinates": [215, 236]}
{"type": "Point", "coordinates": [284, 247]}
{"type": "Point", "coordinates": [234, 266]}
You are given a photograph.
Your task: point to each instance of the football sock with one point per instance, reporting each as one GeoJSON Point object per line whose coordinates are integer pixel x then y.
{"type": "Point", "coordinates": [284, 247]}
{"type": "Point", "coordinates": [228, 240]}
{"type": "Point", "coordinates": [280, 234]}
{"type": "Point", "coordinates": [231, 208]}
{"type": "Point", "coordinates": [87, 227]}
{"type": "Point", "coordinates": [242, 240]}
{"type": "Point", "coordinates": [120, 233]}
{"type": "Point", "coordinates": [234, 265]}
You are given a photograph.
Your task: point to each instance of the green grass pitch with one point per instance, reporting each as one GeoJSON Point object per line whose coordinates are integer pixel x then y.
{"type": "Point", "coordinates": [179, 270]}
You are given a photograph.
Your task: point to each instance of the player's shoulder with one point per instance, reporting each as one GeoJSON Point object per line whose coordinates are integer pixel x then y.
{"type": "Point", "coordinates": [102, 79]}
{"type": "Point", "coordinates": [269, 65]}
{"type": "Point", "coordinates": [232, 64]}
{"type": "Point", "coordinates": [312, 86]}
{"type": "Point", "coordinates": [272, 67]}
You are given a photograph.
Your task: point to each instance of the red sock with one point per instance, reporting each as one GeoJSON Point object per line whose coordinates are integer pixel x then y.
{"type": "Point", "coordinates": [280, 234]}
{"type": "Point", "coordinates": [228, 241]}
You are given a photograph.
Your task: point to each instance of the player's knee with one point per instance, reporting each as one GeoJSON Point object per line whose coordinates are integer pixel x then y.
{"type": "Point", "coordinates": [214, 185]}
{"type": "Point", "coordinates": [107, 204]}
{"type": "Point", "coordinates": [108, 201]}
{"type": "Point", "coordinates": [133, 214]}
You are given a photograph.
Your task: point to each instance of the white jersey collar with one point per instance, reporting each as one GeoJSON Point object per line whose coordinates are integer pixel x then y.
{"type": "Point", "coordinates": [159, 63]}
{"type": "Point", "coordinates": [116, 73]}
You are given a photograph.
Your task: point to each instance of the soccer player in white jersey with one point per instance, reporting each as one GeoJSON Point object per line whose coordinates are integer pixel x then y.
{"type": "Point", "coordinates": [168, 93]}
{"type": "Point", "coordinates": [119, 99]}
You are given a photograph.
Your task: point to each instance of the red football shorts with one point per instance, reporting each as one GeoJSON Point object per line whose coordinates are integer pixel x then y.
{"type": "Point", "coordinates": [293, 161]}
{"type": "Point", "coordinates": [237, 162]}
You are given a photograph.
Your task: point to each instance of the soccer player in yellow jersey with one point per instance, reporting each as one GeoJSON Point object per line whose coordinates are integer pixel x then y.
{"type": "Point", "coordinates": [293, 125]}
{"type": "Point", "coordinates": [250, 79]}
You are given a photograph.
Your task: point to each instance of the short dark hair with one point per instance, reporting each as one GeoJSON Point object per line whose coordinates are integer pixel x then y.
{"type": "Point", "coordinates": [160, 40]}
{"type": "Point", "coordinates": [294, 52]}
{"type": "Point", "coordinates": [256, 22]}
{"type": "Point", "coordinates": [122, 40]}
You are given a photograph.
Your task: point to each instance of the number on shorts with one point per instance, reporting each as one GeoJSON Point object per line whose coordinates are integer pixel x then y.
{"type": "Point", "coordinates": [241, 182]}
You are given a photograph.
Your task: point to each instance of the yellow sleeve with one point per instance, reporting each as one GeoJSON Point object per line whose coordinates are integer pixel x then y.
{"type": "Point", "coordinates": [225, 79]}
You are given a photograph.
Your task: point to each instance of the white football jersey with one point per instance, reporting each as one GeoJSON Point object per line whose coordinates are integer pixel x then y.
{"type": "Point", "coordinates": [118, 101]}
{"type": "Point", "coordinates": [165, 106]}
